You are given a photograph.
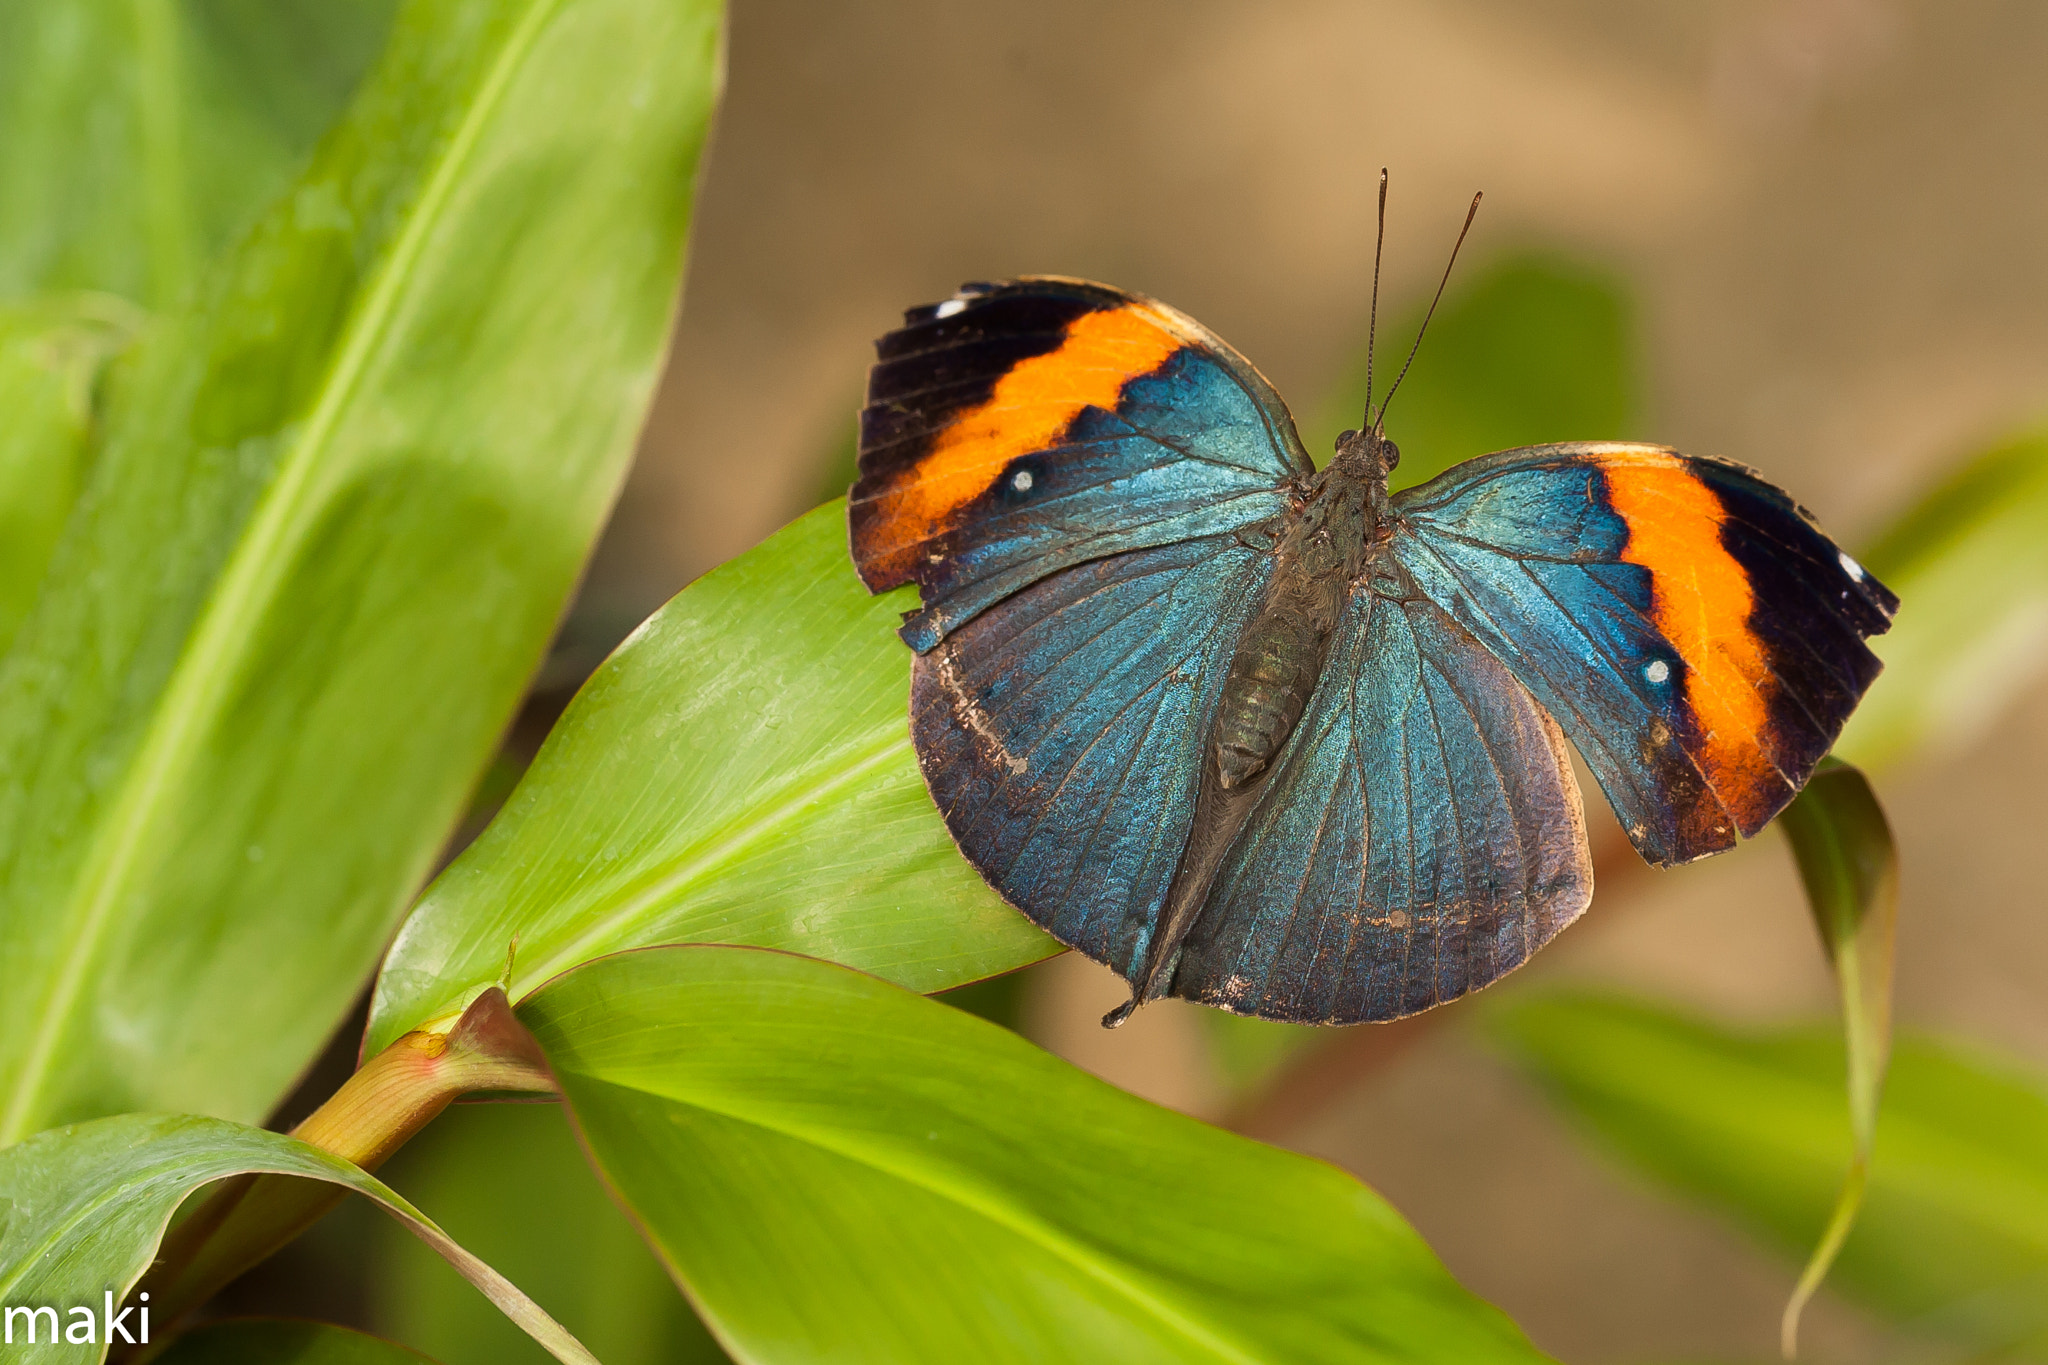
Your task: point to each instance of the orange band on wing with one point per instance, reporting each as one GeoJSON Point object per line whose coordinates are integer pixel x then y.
{"type": "Point", "coordinates": [1701, 600]}
{"type": "Point", "coordinates": [1031, 406]}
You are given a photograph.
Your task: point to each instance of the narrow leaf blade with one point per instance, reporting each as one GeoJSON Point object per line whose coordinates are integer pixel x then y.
{"type": "Point", "coordinates": [82, 1210]}
{"type": "Point", "coordinates": [740, 771]}
{"type": "Point", "coordinates": [1850, 866]}
{"type": "Point", "coordinates": [823, 1157]}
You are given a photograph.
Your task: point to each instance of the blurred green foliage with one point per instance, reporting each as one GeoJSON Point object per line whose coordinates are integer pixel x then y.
{"type": "Point", "coordinates": [1953, 1237]}
{"type": "Point", "coordinates": [1970, 561]}
{"type": "Point", "coordinates": [279, 1342]}
{"type": "Point", "coordinates": [52, 353]}
{"type": "Point", "coordinates": [142, 135]}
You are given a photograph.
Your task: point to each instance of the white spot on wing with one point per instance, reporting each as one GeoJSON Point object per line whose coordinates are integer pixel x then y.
{"type": "Point", "coordinates": [950, 307]}
{"type": "Point", "coordinates": [1850, 566]}
{"type": "Point", "coordinates": [1657, 670]}
{"type": "Point", "coordinates": [1022, 483]}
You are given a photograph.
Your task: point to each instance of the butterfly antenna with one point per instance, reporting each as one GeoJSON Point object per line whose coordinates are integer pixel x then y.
{"type": "Point", "coordinates": [1470, 214]}
{"type": "Point", "coordinates": [1372, 318]}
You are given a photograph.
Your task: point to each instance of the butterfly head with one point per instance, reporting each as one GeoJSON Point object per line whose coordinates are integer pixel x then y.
{"type": "Point", "coordinates": [1368, 454]}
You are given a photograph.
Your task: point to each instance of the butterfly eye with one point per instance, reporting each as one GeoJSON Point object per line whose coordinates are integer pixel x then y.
{"type": "Point", "coordinates": [1391, 453]}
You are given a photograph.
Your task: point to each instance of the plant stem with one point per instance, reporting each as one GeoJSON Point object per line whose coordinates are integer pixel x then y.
{"type": "Point", "coordinates": [390, 1098]}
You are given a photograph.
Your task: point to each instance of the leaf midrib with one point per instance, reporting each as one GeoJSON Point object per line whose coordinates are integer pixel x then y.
{"type": "Point", "coordinates": [250, 577]}
{"type": "Point", "coordinates": [606, 934]}
{"type": "Point", "coordinates": [1031, 1229]}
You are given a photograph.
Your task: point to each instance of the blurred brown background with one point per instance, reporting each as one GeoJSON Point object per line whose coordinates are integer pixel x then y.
{"type": "Point", "coordinates": [1834, 220]}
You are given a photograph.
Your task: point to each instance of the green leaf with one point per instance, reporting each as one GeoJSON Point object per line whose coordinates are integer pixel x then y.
{"type": "Point", "coordinates": [740, 771]}
{"type": "Point", "coordinates": [1536, 349]}
{"type": "Point", "coordinates": [1970, 564]}
{"type": "Point", "coordinates": [334, 521]}
{"type": "Point", "coordinates": [52, 351]}
{"type": "Point", "coordinates": [561, 1239]}
{"type": "Point", "coordinates": [261, 1341]}
{"type": "Point", "coordinates": [1953, 1237]}
{"type": "Point", "coordinates": [83, 1208]}
{"type": "Point", "coordinates": [822, 1157]}
{"type": "Point", "coordinates": [1843, 845]}
{"type": "Point", "coordinates": [142, 134]}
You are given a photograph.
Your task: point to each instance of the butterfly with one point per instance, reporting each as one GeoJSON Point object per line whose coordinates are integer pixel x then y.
{"type": "Point", "coordinates": [1276, 740]}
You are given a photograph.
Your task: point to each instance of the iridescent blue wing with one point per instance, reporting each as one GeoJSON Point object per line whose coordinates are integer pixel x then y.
{"type": "Point", "coordinates": [1021, 428]}
{"type": "Point", "coordinates": [1420, 836]}
{"type": "Point", "coordinates": [1061, 732]}
{"type": "Point", "coordinates": [1699, 639]}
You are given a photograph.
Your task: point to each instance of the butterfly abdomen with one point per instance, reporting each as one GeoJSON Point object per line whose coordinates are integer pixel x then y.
{"type": "Point", "coordinates": [1273, 673]}
{"type": "Point", "coordinates": [1270, 681]}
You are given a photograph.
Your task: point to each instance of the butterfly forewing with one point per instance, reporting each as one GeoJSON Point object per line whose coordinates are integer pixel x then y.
{"type": "Point", "coordinates": [1022, 428]}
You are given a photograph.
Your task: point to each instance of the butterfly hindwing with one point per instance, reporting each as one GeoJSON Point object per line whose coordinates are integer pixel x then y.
{"type": "Point", "coordinates": [1696, 636]}
{"type": "Point", "coordinates": [1421, 836]}
{"type": "Point", "coordinates": [1061, 732]}
{"type": "Point", "coordinates": [1018, 429]}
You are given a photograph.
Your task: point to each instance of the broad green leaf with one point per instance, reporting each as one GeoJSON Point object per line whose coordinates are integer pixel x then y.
{"type": "Point", "coordinates": [269, 1341]}
{"type": "Point", "coordinates": [561, 1239]}
{"type": "Point", "coordinates": [1850, 866]}
{"type": "Point", "coordinates": [1536, 349]}
{"type": "Point", "coordinates": [83, 1208]}
{"type": "Point", "coordinates": [740, 771]}
{"type": "Point", "coordinates": [1953, 1236]}
{"type": "Point", "coordinates": [51, 353]}
{"type": "Point", "coordinates": [333, 522]}
{"type": "Point", "coordinates": [1970, 563]}
{"type": "Point", "coordinates": [824, 1158]}
{"type": "Point", "coordinates": [142, 134]}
